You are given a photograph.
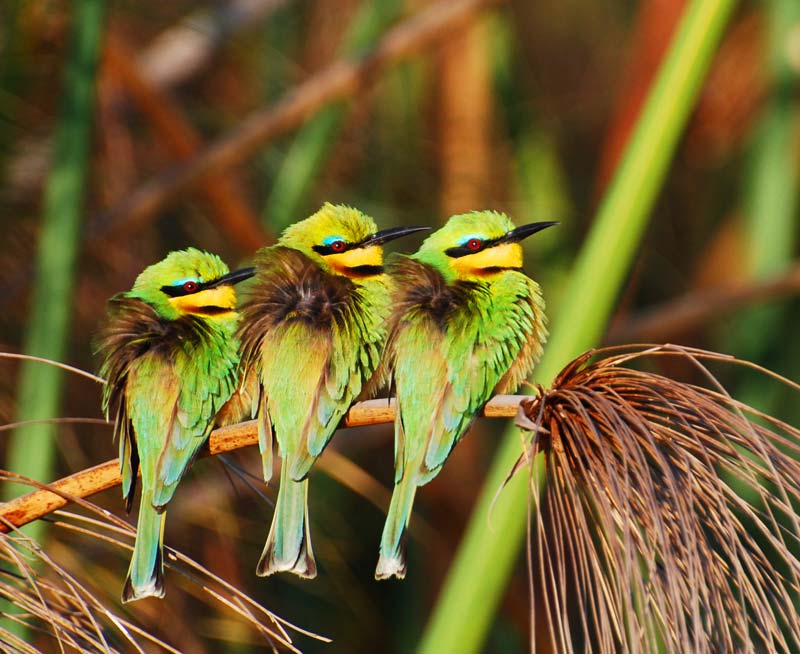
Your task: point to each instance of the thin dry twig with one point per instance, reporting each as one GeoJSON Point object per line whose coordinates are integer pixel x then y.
{"type": "Point", "coordinates": [184, 49]}
{"type": "Point", "coordinates": [341, 79]}
{"type": "Point", "coordinates": [45, 500]}
{"type": "Point", "coordinates": [698, 308]}
{"type": "Point", "coordinates": [668, 518]}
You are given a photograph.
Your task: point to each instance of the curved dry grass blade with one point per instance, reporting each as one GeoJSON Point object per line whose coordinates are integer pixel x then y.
{"type": "Point", "coordinates": [58, 421]}
{"type": "Point", "coordinates": [668, 521]}
{"type": "Point", "coordinates": [56, 364]}
{"type": "Point", "coordinates": [68, 610]}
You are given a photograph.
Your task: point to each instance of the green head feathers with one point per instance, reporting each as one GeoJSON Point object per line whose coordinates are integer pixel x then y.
{"type": "Point", "coordinates": [189, 281]}
{"type": "Point", "coordinates": [342, 240]}
{"type": "Point", "coordinates": [476, 245]}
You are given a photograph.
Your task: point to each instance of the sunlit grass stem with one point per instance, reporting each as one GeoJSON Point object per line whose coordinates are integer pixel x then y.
{"type": "Point", "coordinates": [487, 554]}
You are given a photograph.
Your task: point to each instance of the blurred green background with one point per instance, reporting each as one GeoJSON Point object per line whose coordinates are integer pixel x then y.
{"type": "Point", "coordinates": [109, 112]}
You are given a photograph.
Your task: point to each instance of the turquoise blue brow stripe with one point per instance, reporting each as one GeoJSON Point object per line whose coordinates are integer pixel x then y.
{"type": "Point", "coordinates": [181, 282]}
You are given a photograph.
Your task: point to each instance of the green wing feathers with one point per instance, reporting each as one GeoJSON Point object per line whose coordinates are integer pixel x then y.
{"type": "Point", "coordinates": [167, 380]}
{"type": "Point", "coordinates": [315, 339]}
{"type": "Point", "coordinates": [451, 347]}
{"type": "Point", "coordinates": [468, 338]}
{"type": "Point", "coordinates": [146, 572]}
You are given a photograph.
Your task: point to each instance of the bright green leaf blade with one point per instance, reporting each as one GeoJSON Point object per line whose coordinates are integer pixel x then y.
{"type": "Point", "coordinates": [485, 559]}
{"type": "Point", "coordinates": [31, 450]}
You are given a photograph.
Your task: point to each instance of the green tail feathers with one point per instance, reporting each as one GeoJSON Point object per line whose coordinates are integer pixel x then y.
{"type": "Point", "coordinates": [146, 572]}
{"type": "Point", "coordinates": [288, 547]}
{"type": "Point", "coordinates": [392, 561]}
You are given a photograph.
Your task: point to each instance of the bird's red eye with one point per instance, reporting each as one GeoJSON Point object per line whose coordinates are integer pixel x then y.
{"type": "Point", "coordinates": [190, 287]}
{"type": "Point", "coordinates": [337, 246]}
{"type": "Point", "coordinates": [474, 244]}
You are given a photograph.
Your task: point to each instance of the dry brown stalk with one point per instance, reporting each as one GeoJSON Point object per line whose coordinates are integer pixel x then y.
{"type": "Point", "coordinates": [465, 119]}
{"type": "Point", "coordinates": [41, 502]}
{"type": "Point", "coordinates": [341, 79]}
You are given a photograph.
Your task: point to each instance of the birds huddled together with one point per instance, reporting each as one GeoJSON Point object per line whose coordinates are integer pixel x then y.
{"type": "Point", "coordinates": [325, 323]}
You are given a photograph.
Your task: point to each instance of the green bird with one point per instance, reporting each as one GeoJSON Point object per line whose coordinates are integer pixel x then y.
{"type": "Point", "coordinates": [170, 357]}
{"type": "Point", "coordinates": [466, 323]}
{"type": "Point", "coordinates": [314, 329]}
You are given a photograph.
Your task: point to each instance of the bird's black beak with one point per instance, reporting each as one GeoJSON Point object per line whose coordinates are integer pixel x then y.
{"type": "Point", "coordinates": [524, 231]}
{"type": "Point", "coordinates": [232, 278]}
{"type": "Point", "coordinates": [386, 235]}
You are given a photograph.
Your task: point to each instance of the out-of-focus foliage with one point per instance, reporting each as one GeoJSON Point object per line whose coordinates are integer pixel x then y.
{"type": "Point", "coordinates": [524, 108]}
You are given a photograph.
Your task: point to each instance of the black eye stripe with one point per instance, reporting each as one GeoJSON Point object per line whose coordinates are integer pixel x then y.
{"type": "Point", "coordinates": [328, 249]}
{"type": "Point", "coordinates": [228, 279]}
{"type": "Point", "coordinates": [180, 290]}
{"type": "Point", "coordinates": [176, 291]}
{"type": "Point", "coordinates": [463, 250]}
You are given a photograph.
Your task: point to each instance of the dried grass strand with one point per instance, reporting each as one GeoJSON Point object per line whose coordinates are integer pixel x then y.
{"type": "Point", "coordinates": [62, 607]}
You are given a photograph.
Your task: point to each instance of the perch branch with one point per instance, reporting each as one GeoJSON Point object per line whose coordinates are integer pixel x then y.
{"type": "Point", "coordinates": [38, 503]}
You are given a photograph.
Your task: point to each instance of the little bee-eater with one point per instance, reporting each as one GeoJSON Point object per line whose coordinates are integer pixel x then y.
{"type": "Point", "coordinates": [314, 328]}
{"type": "Point", "coordinates": [466, 323]}
{"type": "Point", "coordinates": [170, 357]}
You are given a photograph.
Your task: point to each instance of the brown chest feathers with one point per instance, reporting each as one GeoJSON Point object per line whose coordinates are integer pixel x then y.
{"type": "Point", "coordinates": [423, 290]}
{"type": "Point", "coordinates": [289, 286]}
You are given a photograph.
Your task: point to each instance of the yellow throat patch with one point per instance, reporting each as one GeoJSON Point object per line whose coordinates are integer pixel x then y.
{"type": "Point", "coordinates": [213, 302]}
{"type": "Point", "coordinates": [371, 255]}
{"type": "Point", "coordinates": [505, 255]}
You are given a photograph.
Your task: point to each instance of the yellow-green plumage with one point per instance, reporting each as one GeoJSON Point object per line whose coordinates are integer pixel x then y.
{"type": "Point", "coordinates": [170, 357]}
{"type": "Point", "coordinates": [314, 330]}
{"type": "Point", "coordinates": [466, 323]}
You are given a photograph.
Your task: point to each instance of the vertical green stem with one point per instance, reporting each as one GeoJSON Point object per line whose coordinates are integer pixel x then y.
{"type": "Point", "coordinates": [773, 200]}
{"type": "Point", "coordinates": [772, 192]}
{"type": "Point", "coordinates": [31, 450]}
{"type": "Point", "coordinates": [485, 559]}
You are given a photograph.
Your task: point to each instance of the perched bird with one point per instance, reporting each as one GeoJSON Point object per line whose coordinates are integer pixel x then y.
{"type": "Point", "coordinates": [314, 328]}
{"type": "Point", "coordinates": [466, 323]}
{"type": "Point", "coordinates": [170, 357]}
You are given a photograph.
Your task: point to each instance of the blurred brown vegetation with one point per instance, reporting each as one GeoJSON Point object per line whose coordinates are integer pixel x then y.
{"type": "Point", "coordinates": [518, 106]}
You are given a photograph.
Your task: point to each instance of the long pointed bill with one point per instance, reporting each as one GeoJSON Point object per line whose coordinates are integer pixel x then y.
{"type": "Point", "coordinates": [524, 231]}
{"type": "Point", "coordinates": [386, 235]}
{"type": "Point", "coordinates": [232, 278]}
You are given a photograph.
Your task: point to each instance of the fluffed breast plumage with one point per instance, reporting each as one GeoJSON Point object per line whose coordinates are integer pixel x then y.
{"type": "Point", "coordinates": [190, 354]}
